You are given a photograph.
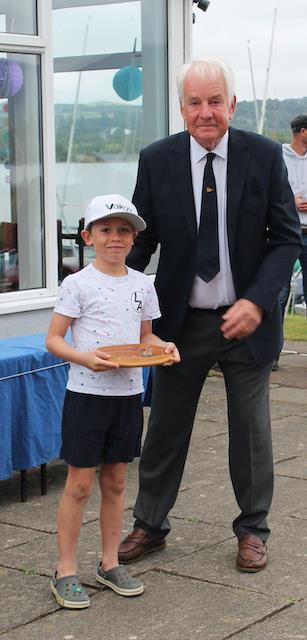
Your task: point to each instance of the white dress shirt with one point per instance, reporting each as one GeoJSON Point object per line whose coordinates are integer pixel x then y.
{"type": "Point", "coordinates": [220, 291]}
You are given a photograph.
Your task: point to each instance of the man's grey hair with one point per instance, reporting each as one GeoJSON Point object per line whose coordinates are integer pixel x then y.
{"type": "Point", "coordinates": [206, 68]}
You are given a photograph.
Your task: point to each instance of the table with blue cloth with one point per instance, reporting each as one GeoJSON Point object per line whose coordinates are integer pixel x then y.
{"type": "Point", "coordinates": [33, 383]}
{"type": "Point", "coordinates": [32, 387]}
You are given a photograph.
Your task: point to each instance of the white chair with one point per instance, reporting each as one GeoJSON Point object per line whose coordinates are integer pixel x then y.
{"type": "Point", "coordinates": [296, 288]}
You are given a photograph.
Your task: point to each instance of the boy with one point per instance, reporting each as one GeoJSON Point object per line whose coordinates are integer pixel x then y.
{"type": "Point", "coordinates": [105, 303]}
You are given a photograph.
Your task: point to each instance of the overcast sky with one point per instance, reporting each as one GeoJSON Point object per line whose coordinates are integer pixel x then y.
{"type": "Point", "coordinates": [224, 30]}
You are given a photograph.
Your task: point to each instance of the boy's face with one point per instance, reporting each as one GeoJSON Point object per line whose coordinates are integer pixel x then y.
{"type": "Point", "coordinates": [112, 239]}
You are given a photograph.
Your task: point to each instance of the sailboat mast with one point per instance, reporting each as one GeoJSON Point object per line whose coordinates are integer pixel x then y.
{"type": "Point", "coordinates": [253, 85]}
{"type": "Point", "coordinates": [263, 109]}
{"type": "Point", "coordinates": [72, 128]}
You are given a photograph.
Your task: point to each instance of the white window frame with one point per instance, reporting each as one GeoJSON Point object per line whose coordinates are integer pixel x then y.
{"type": "Point", "coordinates": [41, 45]}
{"type": "Point", "coordinates": [179, 51]}
{"type": "Point", "coordinates": [179, 47]}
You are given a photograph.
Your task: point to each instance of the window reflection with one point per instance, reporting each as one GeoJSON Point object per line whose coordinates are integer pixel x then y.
{"type": "Point", "coordinates": [18, 16]}
{"type": "Point", "coordinates": [110, 99]}
{"type": "Point", "coordinates": [21, 224]}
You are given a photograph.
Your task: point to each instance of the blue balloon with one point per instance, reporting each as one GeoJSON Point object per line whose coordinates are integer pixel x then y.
{"type": "Point", "coordinates": [127, 83]}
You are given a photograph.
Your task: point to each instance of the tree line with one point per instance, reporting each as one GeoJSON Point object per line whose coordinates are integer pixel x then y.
{"type": "Point", "coordinates": [105, 129]}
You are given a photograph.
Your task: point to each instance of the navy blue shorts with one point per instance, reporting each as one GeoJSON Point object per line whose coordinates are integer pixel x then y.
{"type": "Point", "coordinates": [99, 429]}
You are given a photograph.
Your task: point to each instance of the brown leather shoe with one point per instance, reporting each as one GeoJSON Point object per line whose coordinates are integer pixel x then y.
{"type": "Point", "coordinates": [253, 555]}
{"type": "Point", "coordinates": [137, 545]}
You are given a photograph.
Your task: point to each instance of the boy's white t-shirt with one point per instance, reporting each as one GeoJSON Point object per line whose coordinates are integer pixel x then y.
{"type": "Point", "coordinates": [107, 310]}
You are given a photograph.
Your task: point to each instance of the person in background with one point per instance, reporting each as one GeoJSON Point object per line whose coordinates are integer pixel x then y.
{"type": "Point", "coordinates": [295, 157]}
{"type": "Point", "coordinates": [105, 303]}
{"type": "Point", "coordinates": [218, 202]}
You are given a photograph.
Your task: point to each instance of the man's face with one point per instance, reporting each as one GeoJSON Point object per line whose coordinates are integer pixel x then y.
{"type": "Point", "coordinates": [205, 109]}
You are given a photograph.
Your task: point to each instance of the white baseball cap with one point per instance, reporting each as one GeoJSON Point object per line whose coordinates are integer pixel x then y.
{"type": "Point", "coordinates": [111, 206]}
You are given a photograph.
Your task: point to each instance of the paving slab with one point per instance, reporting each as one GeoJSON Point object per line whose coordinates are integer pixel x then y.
{"type": "Point", "coordinates": [292, 370]}
{"type": "Point", "coordinates": [293, 395]}
{"type": "Point", "coordinates": [10, 488]}
{"type": "Point", "coordinates": [215, 503]}
{"type": "Point", "coordinates": [205, 428]}
{"type": "Point", "coordinates": [289, 624]}
{"type": "Point", "coordinates": [36, 556]}
{"type": "Point", "coordinates": [204, 459]}
{"type": "Point", "coordinates": [212, 502]}
{"type": "Point", "coordinates": [39, 512]}
{"type": "Point", "coordinates": [290, 377]}
{"type": "Point", "coordinates": [39, 556]}
{"type": "Point", "coordinates": [213, 413]}
{"type": "Point", "coordinates": [213, 388]}
{"type": "Point", "coordinates": [298, 346]}
{"type": "Point", "coordinates": [24, 598]}
{"type": "Point", "coordinates": [289, 497]}
{"type": "Point", "coordinates": [132, 483]}
{"type": "Point", "coordinates": [289, 441]}
{"type": "Point", "coordinates": [213, 406]}
{"type": "Point", "coordinates": [13, 511]}
{"type": "Point", "coordinates": [192, 588]}
{"type": "Point", "coordinates": [294, 468]}
{"type": "Point", "coordinates": [192, 609]}
{"type": "Point", "coordinates": [289, 438]}
{"type": "Point", "coordinates": [285, 575]}
{"type": "Point", "coordinates": [291, 360]}
{"type": "Point", "coordinates": [11, 536]}
{"type": "Point", "coordinates": [302, 515]}
{"type": "Point", "coordinates": [187, 536]}
{"type": "Point", "coordinates": [282, 408]}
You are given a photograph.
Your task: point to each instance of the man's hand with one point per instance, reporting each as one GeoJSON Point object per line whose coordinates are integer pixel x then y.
{"type": "Point", "coordinates": [241, 319]}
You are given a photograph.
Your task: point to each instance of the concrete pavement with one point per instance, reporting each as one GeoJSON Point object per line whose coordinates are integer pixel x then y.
{"type": "Point", "coordinates": [193, 589]}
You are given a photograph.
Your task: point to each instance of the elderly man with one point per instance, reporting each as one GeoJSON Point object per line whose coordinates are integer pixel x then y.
{"type": "Point", "coordinates": [219, 203]}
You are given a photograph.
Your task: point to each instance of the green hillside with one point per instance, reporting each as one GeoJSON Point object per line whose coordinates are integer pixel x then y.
{"type": "Point", "coordinates": [279, 113]}
{"type": "Point", "coordinates": [106, 129]}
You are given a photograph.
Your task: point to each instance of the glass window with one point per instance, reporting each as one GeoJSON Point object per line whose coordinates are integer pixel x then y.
{"type": "Point", "coordinates": [18, 16]}
{"type": "Point", "coordinates": [21, 205]}
{"type": "Point", "coordinates": [110, 99]}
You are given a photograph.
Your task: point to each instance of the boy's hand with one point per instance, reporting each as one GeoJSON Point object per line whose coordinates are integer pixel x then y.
{"type": "Point", "coordinates": [301, 204]}
{"type": "Point", "coordinates": [171, 348]}
{"type": "Point", "coordinates": [98, 361]}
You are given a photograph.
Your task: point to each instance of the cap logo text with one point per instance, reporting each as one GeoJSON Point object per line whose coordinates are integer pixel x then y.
{"type": "Point", "coordinates": [120, 206]}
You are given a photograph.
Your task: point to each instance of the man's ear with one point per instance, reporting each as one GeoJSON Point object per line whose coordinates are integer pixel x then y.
{"type": "Point", "coordinates": [136, 233]}
{"type": "Point", "coordinates": [182, 109]}
{"type": "Point", "coordinates": [86, 237]}
{"type": "Point", "coordinates": [232, 106]}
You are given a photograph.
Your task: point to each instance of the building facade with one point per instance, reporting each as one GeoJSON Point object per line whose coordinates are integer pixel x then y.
{"type": "Point", "coordinates": [84, 85]}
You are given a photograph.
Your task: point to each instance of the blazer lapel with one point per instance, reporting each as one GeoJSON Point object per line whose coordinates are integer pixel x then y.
{"type": "Point", "coordinates": [238, 160]}
{"type": "Point", "coordinates": [180, 166]}
{"type": "Point", "coordinates": [182, 180]}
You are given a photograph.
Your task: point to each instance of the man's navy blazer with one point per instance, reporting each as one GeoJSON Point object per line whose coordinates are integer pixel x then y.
{"type": "Point", "coordinates": [263, 229]}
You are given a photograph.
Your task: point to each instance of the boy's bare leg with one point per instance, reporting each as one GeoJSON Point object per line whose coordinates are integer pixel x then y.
{"type": "Point", "coordinates": [78, 488]}
{"type": "Point", "coordinates": [112, 486]}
